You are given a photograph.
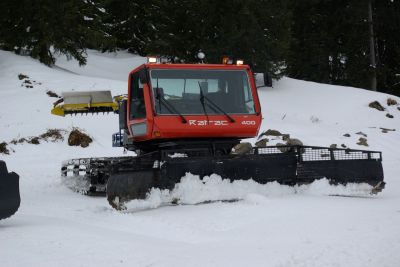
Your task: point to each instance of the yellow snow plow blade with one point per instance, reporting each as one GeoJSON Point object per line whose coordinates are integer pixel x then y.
{"type": "Point", "coordinates": [85, 102]}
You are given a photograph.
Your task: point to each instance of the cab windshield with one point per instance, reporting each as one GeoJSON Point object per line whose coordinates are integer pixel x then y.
{"type": "Point", "coordinates": [201, 91]}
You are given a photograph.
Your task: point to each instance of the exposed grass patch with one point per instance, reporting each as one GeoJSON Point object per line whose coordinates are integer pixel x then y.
{"type": "Point", "coordinates": [4, 149]}
{"type": "Point", "coordinates": [391, 102]}
{"type": "Point", "coordinates": [51, 135]}
{"type": "Point", "coordinates": [79, 138]}
{"type": "Point", "coordinates": [362, 141]}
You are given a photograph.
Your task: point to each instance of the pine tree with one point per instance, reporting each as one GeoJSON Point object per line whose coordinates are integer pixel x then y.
{"type": "Point", "coordinates": [330, 43]}
{"type": "Point", "coordinates": [43, 28]}
{"type": "Point", "coordinates": [387, 40]}
{"type": "Point", "coordinates": [256, 31]}
{"type": "Point", "coordinates": [132, 23]}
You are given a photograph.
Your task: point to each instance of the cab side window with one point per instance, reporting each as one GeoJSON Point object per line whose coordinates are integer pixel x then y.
{"type": "Point", "coordinates": [138, 108]}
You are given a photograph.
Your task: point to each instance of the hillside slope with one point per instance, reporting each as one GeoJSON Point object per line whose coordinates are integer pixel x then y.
{"type": "Point", "coordinates": [276, 227]}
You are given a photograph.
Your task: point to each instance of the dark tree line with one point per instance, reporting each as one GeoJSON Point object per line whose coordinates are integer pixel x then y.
{"type": "Point", "coordinates": [42, 28]}
{"type": "Point", "coordinates": [317, 40]}
{"type": "Point", "coordinates": [330, 43]}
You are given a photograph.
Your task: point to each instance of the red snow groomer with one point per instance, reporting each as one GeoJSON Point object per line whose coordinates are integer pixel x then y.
{"type": "Point", "coordinates": [182, 118]}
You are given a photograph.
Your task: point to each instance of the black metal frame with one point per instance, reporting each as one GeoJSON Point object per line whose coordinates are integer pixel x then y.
{"type": "Point", "coordinates": [132, 177]}
{"type": "Point", "coordinates": [284, 164]}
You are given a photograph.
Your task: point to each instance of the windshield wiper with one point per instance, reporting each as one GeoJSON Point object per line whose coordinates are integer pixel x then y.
{"type": "Point", "coordinates": [203, 103]}
{"type": "Point", "coordinates": [169, 106]}
{"type": "Point", "coordinates": [212, 105]}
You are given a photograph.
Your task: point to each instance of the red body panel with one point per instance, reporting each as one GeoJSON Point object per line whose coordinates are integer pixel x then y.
{"type": "Point", "coordinates": [197, 126]}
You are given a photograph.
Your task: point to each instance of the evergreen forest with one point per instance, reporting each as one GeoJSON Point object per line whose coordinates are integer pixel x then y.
{"type": "Point", "coordinates": [342, 42]}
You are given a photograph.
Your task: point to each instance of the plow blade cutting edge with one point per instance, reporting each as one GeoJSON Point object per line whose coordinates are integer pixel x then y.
{"type": "Point", "coordinates": [287, 165]}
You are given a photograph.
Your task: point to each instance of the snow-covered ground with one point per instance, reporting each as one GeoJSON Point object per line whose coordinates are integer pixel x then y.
{"type": "Point", "coordinates": [271, 226]}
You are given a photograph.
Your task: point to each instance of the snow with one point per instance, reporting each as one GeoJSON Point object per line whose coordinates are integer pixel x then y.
{"type": "Point", "coordinates": [193, 190]}
{"type": "Point", "coordinates": [270, 225]}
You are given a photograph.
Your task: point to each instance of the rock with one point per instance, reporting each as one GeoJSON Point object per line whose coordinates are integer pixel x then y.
{"type": "Point", "coordinates": [52, 94]}
{"type": "Point", "coordinates": [34, 141]}
{"type": "Point", "coordinates": [343, 146]}
{"type": "Point", "coordinates": [386, 130]}
{"type": "Point", "coordinates": [390, 116]}
{"type": "Point", "coordinates": [271, 133]}
{"type": "Point", "coordinates": [285, 137]}
{"type": "Point", "coordinates": [78, 138]}
{"type": "Point", "coordinates": [294, 142]}
{"type": "Point", "coordinates": [4, 149]}
{"type": "Point", "coordinates": [391, 102]}
{"type": "Point", "coordinates": [242, 148]}
{"type": "Point", "coordinates": [376, 105]}
{"type": "Point", "coordinates": [398, 108]}
{"type": "Point", "coordinates": [22, 76]}
{"type": "Point", "coordinates": [14, 141]}
{"type": "Point", "coordinates": [282, 147]}
{"type": "Point", "coordinates": [362, 141]}
{"type": "Point", "coordinates": [333, 146]}
{"type": "Point", "coordinates": [21, 140]}
{"type": "Point", "coordinates": [346, 135]}
{"type": "Point", "coordinates": [262, 142]}
{"type": "Point", "coordinates": [363, 134]}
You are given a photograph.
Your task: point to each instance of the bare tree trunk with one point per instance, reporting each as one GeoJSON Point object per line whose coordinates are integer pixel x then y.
{"type": "Point", "coordinates": [372, 47]}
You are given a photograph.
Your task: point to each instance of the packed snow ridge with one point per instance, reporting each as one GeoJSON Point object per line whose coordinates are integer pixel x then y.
{"type": "Point", "coordinates": [193, 190]}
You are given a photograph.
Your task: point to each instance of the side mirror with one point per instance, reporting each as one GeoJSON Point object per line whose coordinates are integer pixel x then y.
{"type": "Point", "coordinates": [267, 79]}
{"type": "Point", "coordinates": [263, 79]}
{"type": "Point", "coordinates": [122, 110]}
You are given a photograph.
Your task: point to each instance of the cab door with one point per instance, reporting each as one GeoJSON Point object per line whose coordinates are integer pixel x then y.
{"type": "Point", "coordinates": [138, 124]}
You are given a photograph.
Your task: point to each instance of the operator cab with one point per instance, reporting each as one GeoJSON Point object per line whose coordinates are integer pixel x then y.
{"type": "Point", "coordinates": [191, 101]}
{"type": "Point", "coordinates": [185, 90]}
